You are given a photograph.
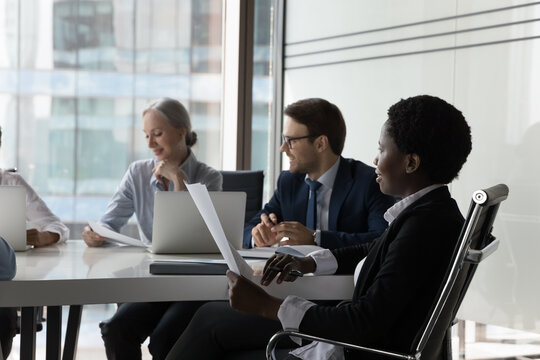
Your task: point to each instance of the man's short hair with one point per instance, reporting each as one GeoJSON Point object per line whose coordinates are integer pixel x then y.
{"type": "Point", "coordinates": [434, 130]}
{"type": "Point", "coordinates": [321, 118]}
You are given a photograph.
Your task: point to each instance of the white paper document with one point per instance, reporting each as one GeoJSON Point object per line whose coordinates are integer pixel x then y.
{"type": "Point", "coordinates": [298, 250]}
{"type": "Point", "coordinates": [113, 235]}
{"type": "Point", "coordinates": [258, 252]}
{"type": "Point", "coordinates": [268, 252]}
{"type": "Point", "coordinates": [234, 260]}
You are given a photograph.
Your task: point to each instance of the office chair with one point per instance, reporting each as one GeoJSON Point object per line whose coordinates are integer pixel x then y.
{"type": "Point", "coordinates": [475, 243]}
{"type": "Point", "coordinates": [249, 181]}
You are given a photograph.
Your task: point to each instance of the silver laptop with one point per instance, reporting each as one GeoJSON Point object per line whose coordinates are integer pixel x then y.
{"type": "Point", "coordinates": [179, 228]}
{"type": "Point", "coordinates": [13, 216]}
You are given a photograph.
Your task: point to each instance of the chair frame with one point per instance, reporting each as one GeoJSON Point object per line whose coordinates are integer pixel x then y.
{"type": "Point", "coordinates": [484, 202]}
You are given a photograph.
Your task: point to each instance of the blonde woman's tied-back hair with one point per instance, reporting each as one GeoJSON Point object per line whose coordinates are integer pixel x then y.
{"type": "Point", "coordinates": [176, 114]}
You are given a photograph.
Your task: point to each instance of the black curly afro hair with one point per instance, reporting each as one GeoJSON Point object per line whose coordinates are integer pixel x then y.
{"type": "Point", "coordinates": [434, 130]}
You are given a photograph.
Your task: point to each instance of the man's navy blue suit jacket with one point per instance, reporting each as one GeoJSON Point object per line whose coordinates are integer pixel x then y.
{"type": "Point", "coordinates": [356, 205]}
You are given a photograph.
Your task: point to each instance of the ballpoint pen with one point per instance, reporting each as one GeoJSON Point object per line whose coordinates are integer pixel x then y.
{"type": "Point", "coordinates": [296, 273]}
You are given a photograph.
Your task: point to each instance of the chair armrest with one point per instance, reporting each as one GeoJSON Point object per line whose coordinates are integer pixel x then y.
{"type": "Point", "coordinates": [476, 256]}
{"type": "Point", "coordinates": [277, 336]}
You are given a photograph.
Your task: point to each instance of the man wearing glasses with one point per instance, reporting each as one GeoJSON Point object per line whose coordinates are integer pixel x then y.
{"type": "Point", "coordinates": [323, 199]}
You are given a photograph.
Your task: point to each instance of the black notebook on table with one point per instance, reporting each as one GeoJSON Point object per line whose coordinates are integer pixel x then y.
{"type": "Point", "coordinates": [187, 268]}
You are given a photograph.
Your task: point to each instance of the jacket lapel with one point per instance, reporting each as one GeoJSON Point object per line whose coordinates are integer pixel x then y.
{"type": "Point", "coordinates": [340, 190]}
{"type": "Point", "coordinates": [300, 196]}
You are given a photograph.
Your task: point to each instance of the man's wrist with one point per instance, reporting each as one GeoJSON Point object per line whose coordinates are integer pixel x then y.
{"type": "Point", "coordinates": [317, 237]}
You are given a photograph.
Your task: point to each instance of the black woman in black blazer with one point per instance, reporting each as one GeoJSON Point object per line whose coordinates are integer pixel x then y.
{"type": "Point", "coordinates": [399, 278]}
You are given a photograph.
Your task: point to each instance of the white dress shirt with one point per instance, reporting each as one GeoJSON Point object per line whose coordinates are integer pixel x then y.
{"type": "Point", "coordinates": [292, 310]}
{"type": "Point", "coordinates": [324, 193]}
{"type": "Point", "coordinates": [37, 212]}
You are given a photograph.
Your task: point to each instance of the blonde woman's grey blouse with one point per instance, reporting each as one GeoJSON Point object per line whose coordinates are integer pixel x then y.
{"type": "Point", "coordinates": [135, 194]}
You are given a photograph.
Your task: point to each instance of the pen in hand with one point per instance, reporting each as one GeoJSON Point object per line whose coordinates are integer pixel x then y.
{"type": "Point", "coordinates": [273, 218]}
{"type": "Point", "coordinates": [296, 273]}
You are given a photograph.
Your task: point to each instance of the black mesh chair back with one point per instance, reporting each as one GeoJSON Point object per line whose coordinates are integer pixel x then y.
{"type": "Point", "coordinates": [249, 181]}
{"type": "Point", "coordinates": [475, 244]}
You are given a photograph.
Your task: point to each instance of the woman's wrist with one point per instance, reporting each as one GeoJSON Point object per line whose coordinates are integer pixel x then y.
{"type": "Point", "coordinates": [271, 309]}
{"type": "Point", "coordinates": [308, 265]}
{"type": "Point", "coordinates": [54, 236]}
{"type": "Point", "coordinates": [180, 177]}
{"type": "Point", "coordinates": [179, 183]}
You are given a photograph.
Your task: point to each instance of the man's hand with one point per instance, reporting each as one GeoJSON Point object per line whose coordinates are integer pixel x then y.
{"type": "Point", "coordinates": [91, 238]}
{"type": "Point", "coordinates": [39, 239]}
{"type": "Point", "coordinates": [247, 297]}
{"type": "Point", "coordinates": [296, 233]}
{"type": "Point", "coordinates": [286, 263]}
{"type": "Point", "coordinates": [262, 232]}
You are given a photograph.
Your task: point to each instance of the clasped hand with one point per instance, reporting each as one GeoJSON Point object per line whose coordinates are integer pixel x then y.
{"type": "Point", "coordinates": [166, 171]}
{"type": "Point", "coordinates": [269, 232]}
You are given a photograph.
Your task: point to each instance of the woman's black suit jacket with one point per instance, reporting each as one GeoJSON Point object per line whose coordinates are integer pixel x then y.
{"type": "Point", "coordinates": [399, 280]}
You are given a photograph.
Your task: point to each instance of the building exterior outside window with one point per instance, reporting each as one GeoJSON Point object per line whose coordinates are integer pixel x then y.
{"type": "Point", "coordinates": [75, 76]}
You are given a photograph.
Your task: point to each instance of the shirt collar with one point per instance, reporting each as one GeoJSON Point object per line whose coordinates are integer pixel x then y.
{"type": "Point", "coordinates": [187, 166]}
{"type": "Point", "coordinates": [327, 179]}
{"type": "Point", "coordinates": [392, 213]}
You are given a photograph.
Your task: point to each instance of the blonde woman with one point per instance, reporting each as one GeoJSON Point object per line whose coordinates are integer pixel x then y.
{"type": "Point", "coordinates": [167, 128]}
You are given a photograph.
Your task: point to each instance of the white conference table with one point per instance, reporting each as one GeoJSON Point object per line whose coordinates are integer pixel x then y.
{"type": "Point", "coordinates": [74, 274]}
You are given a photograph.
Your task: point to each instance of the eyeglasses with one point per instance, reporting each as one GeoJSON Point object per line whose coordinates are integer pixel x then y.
{"type": "Point", "coordinates": [288, 140]}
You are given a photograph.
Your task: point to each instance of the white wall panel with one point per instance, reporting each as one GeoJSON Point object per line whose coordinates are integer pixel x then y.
{"type": "Point", "coordinates": [471, 6]}
{"type": "Point", "coordinates": [484, 57]}
{"type": "Point", "coordinates": [498, 87]}
{"type": "Point", "coordinates": [309, 19]}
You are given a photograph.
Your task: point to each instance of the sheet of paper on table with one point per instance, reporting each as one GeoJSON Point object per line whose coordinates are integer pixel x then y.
{"type": "Point", "coordinates": [114, 236]}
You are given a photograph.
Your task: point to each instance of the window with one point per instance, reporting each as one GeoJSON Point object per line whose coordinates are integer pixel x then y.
{"type": "Point", "coordinates": [75, 77]}
{"type": "Point", "coordinates": [261, 144]}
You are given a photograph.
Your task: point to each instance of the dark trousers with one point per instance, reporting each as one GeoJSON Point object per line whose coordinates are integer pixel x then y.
{"type": "Point", "coordinates": [132, 323]}
{"type": "Point", "coordinates": [216, 331]}
{"type": "Point", "coordinates": [8, 329]}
